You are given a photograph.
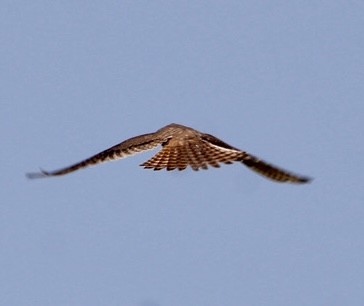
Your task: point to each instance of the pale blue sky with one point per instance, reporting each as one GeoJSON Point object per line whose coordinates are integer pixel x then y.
{"type": "Point", "coordinates": [280, 79]}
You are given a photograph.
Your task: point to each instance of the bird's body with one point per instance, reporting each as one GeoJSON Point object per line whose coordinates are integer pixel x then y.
{"type": "Point", "coordinates": [182, 146]}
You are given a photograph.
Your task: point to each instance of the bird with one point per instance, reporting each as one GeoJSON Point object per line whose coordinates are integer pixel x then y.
{"type": "Point", "coordinates": [181, 146]}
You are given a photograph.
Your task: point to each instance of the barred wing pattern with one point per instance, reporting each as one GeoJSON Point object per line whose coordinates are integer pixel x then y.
{"type": "Point", "coordinates": [181, 147]}
{"type": "Point", "coordinates": [272, 172]}
{"type": "Point", "coordinates": [127, 148]}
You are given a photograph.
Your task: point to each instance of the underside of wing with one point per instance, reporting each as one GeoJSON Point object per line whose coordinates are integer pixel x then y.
{"type": "Point", "coordinates": [127, 148]}
{"type": "Point", "coordinates": [272, 172]}
{"type": "Point", "coordinates": [269, 171]}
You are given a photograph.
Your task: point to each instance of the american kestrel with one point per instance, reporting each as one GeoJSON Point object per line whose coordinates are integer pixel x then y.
{"type": "Point", "coordinates": [182, 146]}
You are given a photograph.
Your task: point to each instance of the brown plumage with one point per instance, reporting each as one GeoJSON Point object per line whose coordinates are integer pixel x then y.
{"type": "Point", "coordinates": [182, 146]}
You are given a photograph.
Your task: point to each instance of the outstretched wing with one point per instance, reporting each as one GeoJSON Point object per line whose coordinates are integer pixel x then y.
{"type": "Point", "coordinates": [260, 166]}
{"type": "Point", "coordinates": [272, 172]}
{"type": "Point", "coordinates": [124, 149]}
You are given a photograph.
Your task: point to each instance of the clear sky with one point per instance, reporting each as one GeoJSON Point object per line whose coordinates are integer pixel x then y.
{"type": "Point", "coordinates": [281, 79]}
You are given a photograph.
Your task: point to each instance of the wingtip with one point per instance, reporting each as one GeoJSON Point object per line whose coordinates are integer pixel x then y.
{"type": "Point", "coordinates": [35, 175]}
{"type": "Point", "coordinates": [305, 180]}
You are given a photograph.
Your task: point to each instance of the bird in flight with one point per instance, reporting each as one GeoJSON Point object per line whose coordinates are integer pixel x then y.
{"type": "Point", "coordinates": [182, 146]}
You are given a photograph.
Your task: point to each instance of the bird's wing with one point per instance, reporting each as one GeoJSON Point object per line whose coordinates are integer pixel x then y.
{"type": "Point", "coordinates": [124, 149]}
{"type": "Point", "coordinates": [254, 163]}
{"type": "Point", "coordinates": [272, 172]}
